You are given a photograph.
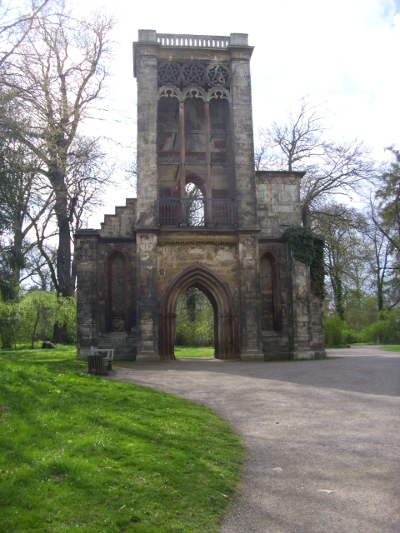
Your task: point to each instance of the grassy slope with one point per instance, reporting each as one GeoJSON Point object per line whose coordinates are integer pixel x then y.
{"type": "Point", "coordinates": [193, 351]}
{"type": "Point", "coordinates": [80, 451]}
{"type": "Point", "coordinates": [393, 348]}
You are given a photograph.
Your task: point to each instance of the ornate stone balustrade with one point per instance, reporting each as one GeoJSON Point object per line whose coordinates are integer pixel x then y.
{"type": "Point", "coordinates": [192, 41]}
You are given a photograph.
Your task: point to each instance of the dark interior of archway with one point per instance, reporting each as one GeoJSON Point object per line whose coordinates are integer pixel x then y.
{"type": "Point", "coordinates": [196, 319]}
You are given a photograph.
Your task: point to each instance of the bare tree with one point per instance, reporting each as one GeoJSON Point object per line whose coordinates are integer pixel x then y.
{"type": "Point", "coordinates": [15, 26]}
{"type": "Point", "coordinates": [58, 77]}
{"type": "Point", "coordinates": [301, 143]}
{"type": "Point", "coordinates": [299, 138]}
{"type": "Point", "coordinates": [336, 224]}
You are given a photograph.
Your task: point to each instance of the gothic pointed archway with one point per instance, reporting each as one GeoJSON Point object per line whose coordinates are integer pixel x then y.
{"type": "Point", "coordinates": [225, 318]}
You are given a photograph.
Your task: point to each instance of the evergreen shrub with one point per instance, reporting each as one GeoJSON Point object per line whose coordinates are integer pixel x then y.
{"type": "Point", "coordinates": [308, 247]}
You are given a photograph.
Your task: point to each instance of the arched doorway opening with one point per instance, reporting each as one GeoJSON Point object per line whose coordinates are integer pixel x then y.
{"type": "Point", "coordinates": [195, 329]}
{"type": "Point", "coordinates": [218, 293]}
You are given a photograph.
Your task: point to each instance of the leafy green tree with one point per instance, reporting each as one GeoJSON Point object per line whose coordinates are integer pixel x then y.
{"type": "Point", "coordinates": [195, 320]}
{"type": "Point", "coordinates": [387, 219]}
{"type": "Point", "coordinates": [8, 323]}
{"type": "Point", "coordinates": [37, 315]}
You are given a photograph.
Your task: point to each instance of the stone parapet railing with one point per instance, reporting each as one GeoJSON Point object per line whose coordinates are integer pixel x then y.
{"type": "Point", "coordinates": [192, 41]}
{"type": "Point", "coordinates": [197, 212]}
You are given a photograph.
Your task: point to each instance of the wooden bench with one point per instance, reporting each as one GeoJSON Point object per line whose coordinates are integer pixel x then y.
{"type": "Point", "coordinates": [108, 356]}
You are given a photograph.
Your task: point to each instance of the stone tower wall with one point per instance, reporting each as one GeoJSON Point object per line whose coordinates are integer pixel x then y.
{"type": "Point", "coordinates": [195, 126]}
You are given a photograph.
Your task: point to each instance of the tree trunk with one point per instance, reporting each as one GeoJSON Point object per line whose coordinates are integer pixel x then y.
{"type": "Point", "coordinates": [18, 258]}
{"type": "Point", "coordinates": [338, 294]}
{"type": "Point", "coordinates": [64, 257]}
{"type": "Point", "coordinates": [34, 329]}
{"type": "Point", "coordinates": [64, 288]}
{"type": "Point", "coordinates": [57, 179]}
{"type": "Point", "coordinates": [191, 304]}
{"type": "Point", "coordinates": [59, 333]}
{"type": "Point", "coordinates": [380, 294]}
{"type": "Point", "coordinates": [6, 334]}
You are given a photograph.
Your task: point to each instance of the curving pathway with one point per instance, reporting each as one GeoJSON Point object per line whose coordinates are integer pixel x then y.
{"type": "Point", "coordinates": [321, 436]}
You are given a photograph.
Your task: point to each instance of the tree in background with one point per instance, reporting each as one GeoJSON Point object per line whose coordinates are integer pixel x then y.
{"type": "Point", "coordinates": [387, 219]}
{"type": "Point", "coordinates": [194, 319]}
{"type": "Point", "coordinates": [15, 24]}
{"type": "Point", "coordinates": [56, 78]}
{"type": "Point", "coordinates": [301, 143]}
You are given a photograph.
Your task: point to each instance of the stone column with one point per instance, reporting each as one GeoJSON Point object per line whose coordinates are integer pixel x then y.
{"type": "Point", "coordinates": [182, 149]}
{"type": "Point", "coordinates": [301, 301]}
{"type": "Point", "coordinates": [86, 242]}
{"type": "Point", "coordinates": [147, 192]}
{"type": "Point", "coordinates": [208, 149]}
{"type": "Point", "coordinates": [249, 308]}
{"type": "Point", "coordinates": [208, 202]}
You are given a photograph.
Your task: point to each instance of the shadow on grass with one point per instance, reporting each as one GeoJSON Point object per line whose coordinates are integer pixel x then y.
{"type": "Point", "coordinates": [137, 455]}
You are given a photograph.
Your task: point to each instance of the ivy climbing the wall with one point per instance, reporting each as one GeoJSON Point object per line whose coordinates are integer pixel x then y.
{"type": "Point", "coordinates": [308, 247]}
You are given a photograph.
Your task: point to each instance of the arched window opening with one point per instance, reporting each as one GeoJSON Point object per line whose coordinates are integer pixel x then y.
{"type": "Point", "coordinates": [118, 292]}
{"type": "Point", "coordinates": [194, 205]}
{"type": "Point", "coordinates": [194, 323]}
{"type": "Point", "coordinates": [271, 299]}
{"type": "Point", "coordinates": [267, 299]}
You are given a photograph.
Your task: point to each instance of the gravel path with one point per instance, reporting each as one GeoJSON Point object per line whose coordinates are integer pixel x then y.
{"type": "Point", "coordinates": [320, 436]}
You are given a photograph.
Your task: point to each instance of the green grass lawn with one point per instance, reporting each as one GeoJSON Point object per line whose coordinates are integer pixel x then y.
{"type": "Point", "coordinates": [80, 452]}
{"type": "Point", "coordinates": [193, 351]}
{"type": "Point", "coordinates": [393, 348]}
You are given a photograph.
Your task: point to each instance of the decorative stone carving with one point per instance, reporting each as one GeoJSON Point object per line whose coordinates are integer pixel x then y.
{"type": "Point", "coordinates": [169, 92]}
{"type": "Point", "coordinates": [169, 73]}
{"type": "Point", "coordinates": [193, 92]}
{"type": "Point", "coordinates": [218, 92]}
{"type": "Point", "coordinates": [193, 74]}
{"type": "Point", "coordinates": [218, 75]}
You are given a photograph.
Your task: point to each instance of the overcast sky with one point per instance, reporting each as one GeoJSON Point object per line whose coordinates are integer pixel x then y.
{"type": "Point", "coordinates": [344, 53]}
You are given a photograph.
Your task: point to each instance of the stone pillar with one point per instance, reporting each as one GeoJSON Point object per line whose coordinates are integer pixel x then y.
{"type": "Point", "coordinates": [208, 149]}
{"type": "Point", "coordinates": [147, 305]}
{"type": "Point", "coordinates": [318, 327]}
{"type": "Point", "coordinates": [250, 342]}
{"type": "Point", "coordinates": [182, 151]}
{"type": "Point", "coordinates": [301, 298]}
{"type": "Point", "coordinates": [243, 142]}
{"type": "Point", "coordinates": [86, 242]}
{"type": "Point", "coordinates": [147, 182]}
{"type": "Point", "coordinates": [249, 307]}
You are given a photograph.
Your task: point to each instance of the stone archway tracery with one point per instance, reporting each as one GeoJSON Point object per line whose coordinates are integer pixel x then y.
{"type": "Point", "coordinates": [218, 292]}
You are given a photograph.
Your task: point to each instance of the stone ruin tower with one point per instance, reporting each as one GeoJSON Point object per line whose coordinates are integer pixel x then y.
{"type": "Point", "coordinates": [202, 217]}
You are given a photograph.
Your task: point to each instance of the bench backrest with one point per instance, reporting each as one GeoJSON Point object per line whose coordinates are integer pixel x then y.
{"type": "Point", "coordinates": [108, 352]}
